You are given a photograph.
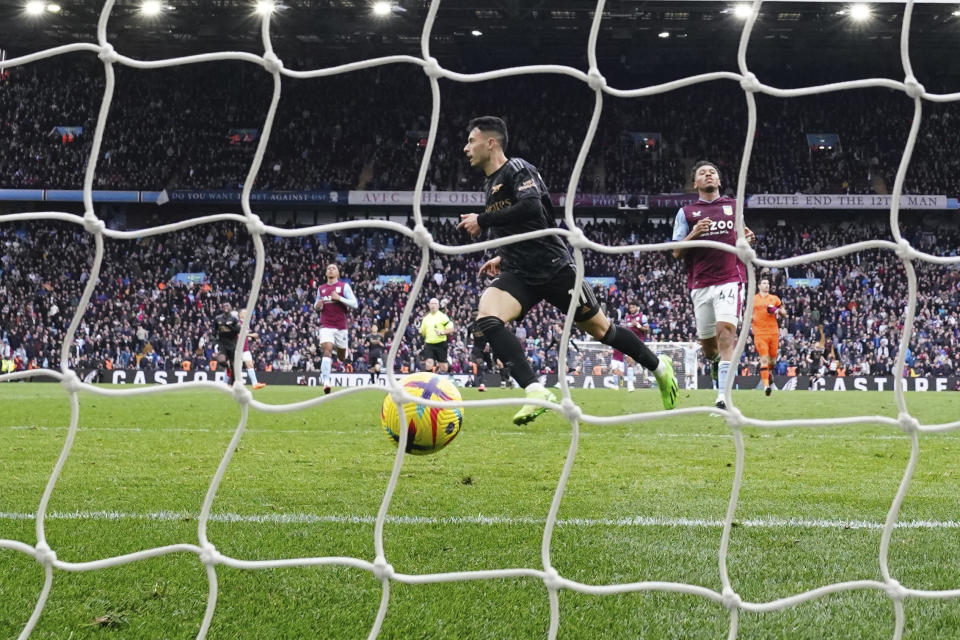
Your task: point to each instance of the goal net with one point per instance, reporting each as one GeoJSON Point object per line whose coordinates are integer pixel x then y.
{"type": "Point", "coordinates": [378, 565]}
{"type": "Point", "coordinates": [597, 358]}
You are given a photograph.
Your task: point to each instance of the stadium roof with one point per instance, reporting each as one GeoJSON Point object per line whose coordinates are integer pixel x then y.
{"type": "Point", "coordinates": [699, 34]}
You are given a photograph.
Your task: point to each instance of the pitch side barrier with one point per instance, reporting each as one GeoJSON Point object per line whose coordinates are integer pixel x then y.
{"type": "Point", "coordinates": [846, 383]}
{"type": "Point", "coordinates": [312, 379]}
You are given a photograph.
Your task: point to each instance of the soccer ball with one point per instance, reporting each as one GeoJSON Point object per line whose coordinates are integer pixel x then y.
{"type": "Point", "coordinates": [429, 429]}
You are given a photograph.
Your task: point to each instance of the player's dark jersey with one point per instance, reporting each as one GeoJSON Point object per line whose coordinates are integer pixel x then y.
{"type": "Point", "coordinates": [228, 329]}
{"type": "Point", "coordinates": [534, 261]}
{"type": "Point", "coordinates": [375, 349]}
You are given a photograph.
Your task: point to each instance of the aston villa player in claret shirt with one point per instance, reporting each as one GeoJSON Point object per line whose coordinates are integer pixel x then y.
{"type": "Point", "coordinates": [716, 278]}
{"type": "Point", "coordinates": [524, 273]}
{"type": "Point", "coordinates": [334, 299]}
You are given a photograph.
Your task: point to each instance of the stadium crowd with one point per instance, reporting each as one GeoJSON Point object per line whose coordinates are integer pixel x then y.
{"type": "Point", "coordinates": [847, 320]}
{"type": "Point", "coordinates": [196, 127]}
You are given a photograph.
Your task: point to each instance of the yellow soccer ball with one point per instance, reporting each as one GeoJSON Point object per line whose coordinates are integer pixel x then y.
{"type": "Point", "coordinates": [429, 429]}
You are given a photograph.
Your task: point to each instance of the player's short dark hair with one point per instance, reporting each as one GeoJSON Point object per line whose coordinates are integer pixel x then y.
{"type": "Point", "coordinates": [703, 163]}
{"type": "Point", "coordinates": [491, 124]}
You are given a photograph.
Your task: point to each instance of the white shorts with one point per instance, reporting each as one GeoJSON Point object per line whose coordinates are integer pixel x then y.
{"type": "Point", "coordinates": [337, 336]}
{"type": "Point", "coordinates": [616, 365]}
{"type": "Point", "coordinates": [247, 356]}
{"type": "Point", "coordinates": [716, 303]}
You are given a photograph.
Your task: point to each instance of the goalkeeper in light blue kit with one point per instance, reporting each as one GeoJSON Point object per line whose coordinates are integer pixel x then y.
{"type": "Point", "coordinates": [517, 201]}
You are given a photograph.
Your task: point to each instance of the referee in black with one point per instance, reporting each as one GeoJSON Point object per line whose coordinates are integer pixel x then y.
{"type": "Point", "coordinates": [517, 201]}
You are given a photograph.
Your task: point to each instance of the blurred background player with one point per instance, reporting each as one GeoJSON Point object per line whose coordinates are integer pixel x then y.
{"type": "Point", "coordinates": [435, 326]}
{"type": "Point", "coordinates": [715, 277]}
{"type": "Point", "coordinates": [227, 324]}
{"type": "Point", "coordinates": [525, 273]}
{"type": "Point", "coordinates": [481, 358]}
{"type": "Point", "coordinates": [248, 357]}
{"type": "Point", "coordinates": [374, 345]}
{"type": "Point", "coordinates": [334, 297]}
{"type": "Point", "coordinates": [623, 365]}
{"type": "Point", "coordinates": [767, 308]}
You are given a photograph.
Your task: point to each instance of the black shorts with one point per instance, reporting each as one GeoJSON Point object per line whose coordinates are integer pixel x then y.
{"type": "Point", "coordinates": [375, 356]}
{"type": "Point", "coordinates": [230, 351]}
{"type": "Point", "coordinates": [556, 292]}
{"type": "Point", "coordinates": [436, 351]}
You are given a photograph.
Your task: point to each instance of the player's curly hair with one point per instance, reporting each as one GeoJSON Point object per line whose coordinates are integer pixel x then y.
{"type": "Point", "coordinates": [703, 163]}
{"type": "Point", "coordinates": [491, 124]}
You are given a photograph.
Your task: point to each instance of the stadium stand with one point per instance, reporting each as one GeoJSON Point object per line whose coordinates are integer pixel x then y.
{"type": "Point", "coordinates": [143, 316]}
{"type": "Point", "coordinates": [172, 129]}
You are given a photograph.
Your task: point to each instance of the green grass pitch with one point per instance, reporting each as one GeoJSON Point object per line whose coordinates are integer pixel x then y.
{"type": "Point", "coordinates": [644, 502]}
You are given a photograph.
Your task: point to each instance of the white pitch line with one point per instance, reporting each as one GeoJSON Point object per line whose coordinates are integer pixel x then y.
{"type": "Point", "coordinates": [638, 521]}
{"type": "Point", "coordinates": [806, 433]}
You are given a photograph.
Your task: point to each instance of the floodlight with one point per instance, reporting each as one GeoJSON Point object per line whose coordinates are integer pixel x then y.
{"type": "Point", "coordinates": [663, 34]}
{"type": "Point", "coordinates": [265, 7]}
{"type": "Point", "coordinates": [382, 8]}
{"type": "Point", "coordinates": [53, 8]}
{"type": "Point", "coordinates": [150, 8]}
{"type": "Point", "coordinates": [742, 11]}
{"type": "Point", "coordinates": [476, 32]}
{"type": "Point", "coordinates": [34, 7]}
{"type": "Point", "coordinates": [860, 12]}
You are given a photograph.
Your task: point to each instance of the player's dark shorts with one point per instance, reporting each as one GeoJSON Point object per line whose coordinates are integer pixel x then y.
{"type": "Point", "coordinates": [556, 292]}
{"type": "Point", "coordinates": [230, 351]}
{"type": "Point", "coordinates": [436, 351]}
{"type": "Point", "coordinates": [374, 356]}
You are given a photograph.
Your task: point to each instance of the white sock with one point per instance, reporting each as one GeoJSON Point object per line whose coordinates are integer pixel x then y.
{"type": "Point", "coordinates": [325, 365]}
{"type": "Point", "coordinates": [661, 368]}
{"type": "Point", "coordinates": [722, 372]}
{"type": "Point", "coordinates": [534, 386]}
{"type": "Point", "coordinates": [252, 375]}
{"type": "Point", "coordinates": [631, 377]}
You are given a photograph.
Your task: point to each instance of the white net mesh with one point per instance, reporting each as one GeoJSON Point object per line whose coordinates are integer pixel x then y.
{"type": "Point", "coordinates": [683, 354]}
{"type": "Point", "coordinates": [380, 566]}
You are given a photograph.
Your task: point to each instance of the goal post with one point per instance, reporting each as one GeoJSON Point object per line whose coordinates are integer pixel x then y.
{"type": "Point", "coordinates": [595, 357]}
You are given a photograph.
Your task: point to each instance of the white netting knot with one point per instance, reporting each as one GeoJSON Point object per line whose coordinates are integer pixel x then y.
{"type": "Point", "coordinates": [577, 239]}
{"type": "Point", "coordinates": [895, 590]}
{"type": "Point", "coordinates": [382, 570]}
{"type": "Point", "coordinates": [596, 81]}
{"type": "Point", "coordinates": [241, 394]}
{"type": "Point", "coordinates": [905, 251]}
{"type": "Point", "coordinates": [209, 555]}
{"type": "Point", "coordinates": [396, 396]}
{"type": "Point", "coordinates": [730, 598]}
{"type": "Point", "coordinates": [750, 83]}
{"type": "Point", "coordinates": [570, 410]}
{"type": "Point", "coordinates": [734, 417]}
{"type": "Point", "coordinates": [71, 382]}
{"type": "Point", "coordinates": [745, 252]}
{"type": "Point", "coordinates": [913, 88]}
{"type": "Point", "coordinates": [552, 579]}
{"type": "Point", "coordinates": [108, 54]}
{"type": "Point", "coordinates": [432, 67]}
{"type": "Point", "coordinates": [93, 224]}
{"type": "Point", "coordinates": [45, 555]}
{"type": "Point", "coordinates": [271, 62]}
{"type": "Point", "coordinates": [255, 226]}
{"type": "Point", "coordinates": [421, 236]}
{"type": "Point", "coordinates": [908, 424]}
